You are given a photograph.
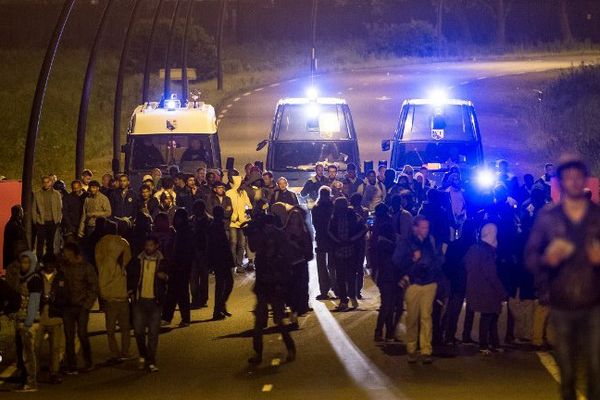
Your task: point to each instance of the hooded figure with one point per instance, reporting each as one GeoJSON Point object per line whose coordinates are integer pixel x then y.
{"type": "Point", "coordinates": [14, 235]}
{"type": "Point", "coordinates": [240, 202]}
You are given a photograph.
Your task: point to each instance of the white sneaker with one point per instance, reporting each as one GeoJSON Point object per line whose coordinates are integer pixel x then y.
{"type": "Point", "coordinates": [141, 363]}
{"type": "Point", "coordinates": [354, 302]}
{"type": "Point", "coordinates": [152, 368]}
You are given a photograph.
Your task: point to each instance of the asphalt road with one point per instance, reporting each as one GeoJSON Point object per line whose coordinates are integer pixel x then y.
{"type": "Point", "coordinates": [337, 359]}
{"type": "Point", "coordinates": [500, 90]}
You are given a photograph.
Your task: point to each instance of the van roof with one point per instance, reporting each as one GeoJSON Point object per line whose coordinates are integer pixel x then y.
{"type": "Point", "coordinates": [149, 119]}
{"type": "Point", "coordinates": [451, 102]}
{"type": "Point", "coordinates": [306, 100]}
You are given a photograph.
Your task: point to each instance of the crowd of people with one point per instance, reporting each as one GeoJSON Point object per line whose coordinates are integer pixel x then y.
{"type": "Point", "coordinates": [145, 252]}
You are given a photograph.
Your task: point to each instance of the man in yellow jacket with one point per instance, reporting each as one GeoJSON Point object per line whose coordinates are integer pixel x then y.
{"type": "Point", "coordinates": [240, 204]}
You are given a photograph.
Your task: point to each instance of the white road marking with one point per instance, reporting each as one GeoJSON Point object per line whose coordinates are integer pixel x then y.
{"type": "Point", "coordinates": [293, 80]}
{"type": "Point", "coordinates": [550, 364]}
{"type": "Point", "coordinates": [267, 388]}
{"type": "Point", "coordinates": [481, 77]}
{"type": "Point", "coordinates": [275, 362]}
{"type": "Point", "coordinates": [350, 89]}
{"type": "Point", "coordinates": [224, 111]}
{"type": "Point", "coordinates": [383, 98]}
{"type": "Point", "coordinates": [237, 99]}
{"type": "Point", "coordinates": [229, 105]}
{"type": "Point", "coordinates": [464, 83]}
{"type": "Point", "coordinates": [340, 93]}
{"type": "Point", "coordinates": [247, 94]}
{"type": "Point", "coordinates": [259, 89]}
{"type": "Point", "coordinates": [220, 116]}
{"type": "Point", "coordinates": [274, 85]}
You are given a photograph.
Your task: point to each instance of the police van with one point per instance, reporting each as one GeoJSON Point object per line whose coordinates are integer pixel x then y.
{"type": "Point", "coordinates": [307, 131]}
{"type": "Point", "coordinates": [438, 133]}
{"type": "Point", "coordinates": [171, 135]}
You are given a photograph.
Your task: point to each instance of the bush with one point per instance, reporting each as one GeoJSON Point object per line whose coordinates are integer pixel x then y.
{"type": "Point", "coordinates": [567, 118]}
{"type": "Point", "coordinates": [416, 38]}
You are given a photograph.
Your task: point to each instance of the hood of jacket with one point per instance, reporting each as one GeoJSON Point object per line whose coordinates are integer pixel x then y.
{"type": "Point", "coordinates": [32, 261]}
{"type": "Point", "coordinates": [236, 182]}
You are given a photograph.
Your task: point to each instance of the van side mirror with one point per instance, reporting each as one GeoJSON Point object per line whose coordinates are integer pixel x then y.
{"type": "Point", "coordinates": [261, 145]}
{"type": "Point", "coordinates": [386, 145]}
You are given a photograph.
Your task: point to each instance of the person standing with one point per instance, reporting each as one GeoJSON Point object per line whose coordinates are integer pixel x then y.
{"type": "Point", "coordinates": [321, 214]}
{"type": "Point", "coordinates": [220, 259]}
{"type": "Point", "coordinates": [345, 229]}
{"type": "Point", "coordinates": [14, 236]}
{"type": "Point", "coordinates": [53, 299]}
{"type": "Point", "coordinates": [147, 203]}
{"type": "Point", "coordinates": [313, 185]}
{"type": "Point", "coordinates": [361, 244]}
{"type": "Point", "coordinates": [219, 198]}
{"type": "Point", "coordinates": [564, 249]}
{"type": "Point", "coordinates": [112, 256]}
{"type": "Point", "coordinates": [200, 266]}
{"type": "Point", "coordinates": [180, 269]}
{"type": "Point", "coordinates": [96, 205]}
{"type": "Point", "coordinates": [282, 194]}
{"type": "Point", "coordinates": [373, 191]}
{"type": "Point", "coordinates": [485, 292]}
{"type": "Point", "coordinates": [240, 204]}
{"type": "Point", "coordinates": [72, 210]}
{"type": "Point", "coordinates": [30, 286]}
{"type": "Point", "coordinates": [351, 181]}
{"type": "Point", "coordinates": [123, 203]}
{"type": "Point", "coordinates": [86, 179]}
{"type": "Point", "coordinates": [419, 263]}
{"type": "Point", "coordinates": [147, 286]}
{"type": "Point", "coordinates": [81, 282]}
{"type": "Point", "coordinates": [47, 215]}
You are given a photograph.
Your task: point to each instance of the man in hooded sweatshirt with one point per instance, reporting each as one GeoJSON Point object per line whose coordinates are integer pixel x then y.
{"type": "Point", "coordinates": [30, 286]}
{"type": "Point", "coordinates": [240, 204]}
{"type": "Point", "coordinates": [112, 256]}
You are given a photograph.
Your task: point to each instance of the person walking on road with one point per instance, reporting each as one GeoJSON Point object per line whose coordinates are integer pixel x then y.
{"type": "Point", "coordinates": [220, 259]}
{"type": "Point", "coordinates": [485, 292]}
{"type": "Point", "coordinates": [419, 262]}
{"type": "Point", "coordinates": [240, 203]}
{"type": "Point", "coordinates": [147, 286]}
{"type": "Point", "coordinates": [81, 282]}
{"type": "Point", "coordinates": [112, 256]}
{"type": "Point", "coordinates": [564, 249]}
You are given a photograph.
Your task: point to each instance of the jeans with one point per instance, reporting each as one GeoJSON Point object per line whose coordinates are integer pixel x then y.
{"type": "Point", "coordinates": [346, 278]}
{"type": "Point", "coordinates": [178, 294]}
{"type": "Point", "coordinates": [146, 316]}
{"type": "Point", "coordinates": [28, 335]}
{"type": "Point", "coordinates": [468, 324]}
{"type": "Point", "coordinates": [542, 331]}
{"type": "Point", "coordinates": [261, 313]}
{"type": "Point", "coordinates": [578, 343]}
{"type": "Point", "coordinates": [45, 238]}
{"type": "Point", "coordinates": [117, 312]}
{"type": "Point", "coordinates": [488, 331]}
{"type": "Point", "coordinates": [390, 310]}
{"type": "Point", "coordinates": [237, 241]}
{"type": "Point", "coordinates": [298, 295]}
{"type": "Point", "coordinates": [419, 307]}
{"type": "Point", "coordinates": [326, 271]}
{"type": "Point", "coordinates": [55, 342]}
{"type": "Point", "coordinates": [199, 283]}
{"type": "Point", "coordinates": [76, 319]}
{"type": "Point", "coordinates": [223, 289]}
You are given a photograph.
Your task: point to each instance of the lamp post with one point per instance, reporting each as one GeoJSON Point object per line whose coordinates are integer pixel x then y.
{"type": "Point", "coordinates": [36, 112]}
{"type": "Point", "coordinates": [119, 89]}
{"type": "Point", "coordinates": [184, 76]}
{"type": "Point", "coordinates": [313, 50]}
{"type": "Point", "coordinates": [146, 81]}
{"type": "Point", "coordinates": [86, 91]}
{"type": "Point", "coordinates": [220, 29]}
{"type": "Point", "coordinates": [167, 83]}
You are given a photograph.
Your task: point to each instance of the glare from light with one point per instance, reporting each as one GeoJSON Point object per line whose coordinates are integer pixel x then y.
{"type": "Point", "coordinates": [312, 111]}
{"type": "Point", "coordinates": [312, 93]}
{"type": "Point", "coordinates": [485, 179]}
{"type": "Point", "coordinates": [439, 96]}
{"type": "Point", "coordinates": [171, 104]}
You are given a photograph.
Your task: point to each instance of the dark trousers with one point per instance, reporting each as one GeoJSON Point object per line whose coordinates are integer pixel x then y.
{"type": "Point", "coordinates": [468, 324]}
{"type": "Point", "coordinates": [178, 294]}
{"type": "Point", "coordinates": [578, 344]}
{"type": "Point", "coordinates": [510, 325]}
{"type": "Point", "coordinates": [261, 313]}
{"type": "Point", "coordinates": [346, 278]}
{"type": "Point", "coordinates": [75, 319]}
{"type": "Point", "coordinates": [437, 333]}
{"type": "Point", "coordinates": [326, 271]}
{"type": "Point", "coordinates": [359, 269]}
{"type": "Point", "coordinates": [298, 296]}
{"type": "Point", "coordinates": [44, 238]}
{"type": "Point", "coordinates": [199, 283]}
{"type": "Point", "coordinates": [146, 325]}
{"type": "Point", "coordinates": [223, 289]}
{"type": "Point", "coordinates": [390, 310]}
{"type": "Point", "coordinates": [455, 303]}
{"type": "Point", "coordinates": [488, 331]}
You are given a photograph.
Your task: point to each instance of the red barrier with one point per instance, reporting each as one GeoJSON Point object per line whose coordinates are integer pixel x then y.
{"type": "Point", "coordinates": [10, 194]}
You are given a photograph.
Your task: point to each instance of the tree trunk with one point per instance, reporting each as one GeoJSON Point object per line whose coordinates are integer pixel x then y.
{"type": "Point", "coordinates": [500, 23]}
{"type": "Point", "coordinates": [463, 23]}
{"type": "Point", "coordinates": [565, 25]}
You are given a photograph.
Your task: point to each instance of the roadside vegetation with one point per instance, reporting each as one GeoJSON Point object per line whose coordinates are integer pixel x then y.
{"type": "Point", "coordinates": [566, 120]}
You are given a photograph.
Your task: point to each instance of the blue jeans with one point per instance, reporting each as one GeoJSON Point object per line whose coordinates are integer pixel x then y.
{"type": "Point", "coordinates": [146, 315]}
{"type": "Point", "coordinates": [578, 339]}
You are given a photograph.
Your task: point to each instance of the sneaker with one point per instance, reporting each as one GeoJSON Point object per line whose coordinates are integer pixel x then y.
{"type": "Point", "coordinates": [378, 337]}
{"type": "Point", "coordinates": [152, 368]}
{"type": "Point", "coordinates": [218, 317]}
{"type": "Point", "coordinates": [26, 389]}
{"type": "Point", "coordinates": [354, 303]}
{"type": "Point", "coordinates": [71, 371]}
{"type": "Point", "coordinates": [184, 324]}
{"type": "Point", "coordinates": [227, 313]}
{"type": "Point", "coordinates": [496, 350]}
{"type": "Point", "coordinates": [485, 352]}
{"type": "Point", "coordinates": [427, 360]}
{"type": "Point", "coordinates": [342, 307]}
{"type": "Point", "coordinates": [413, 358]}
{"type": "Point", "coordinates": [141, 364]}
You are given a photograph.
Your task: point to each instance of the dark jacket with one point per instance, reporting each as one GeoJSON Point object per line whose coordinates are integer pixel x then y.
{"type": "Point", "coordinates": [381, 247]}
{"type": "Point", "coordinates": [485, 291]}
{"type": "Point", "coordinates": [346, 247]}
{"type": "Point", "coordinates": [123, 203]}
{"type": "Point", "coordinates": [321, 214]}
{"type": "Point", "coordinates": [438, 220]}
{"type": "Point", "coordinates": [57, 299]}
{"type": "Point", "coordinates": [312, 186]}
{"type": "Point", "coordinates": [14, 240]}
{"type": "Point", "coordinates": [135, 277]}
{"type": "Point", "coordinates": [72, 210]}
{"type": "Point", "coordinates": [425, 271]}
{"type": "Point", "coordinates": [149, 206]}
{"type": "Point", "coordinates": [287, 197]}
{"type": "Point", "coordinates": [574, 284]}
{"type": "Point", "coordinates": [219, 257]}
{"type": "Point", "coordinates": [82, 284]}
{"type": "Point", "coordinates": [213, 200]}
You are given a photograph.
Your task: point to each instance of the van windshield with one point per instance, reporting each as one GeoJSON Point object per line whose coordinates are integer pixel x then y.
{"type": "Point", "coordinates": [303, 156]}
{"type": "Point", "coordinates": [185, 151]}
{"type": "Point", "coordinates": [313, 121]}
{"type": "Point", "coordinates": [426, 122]}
